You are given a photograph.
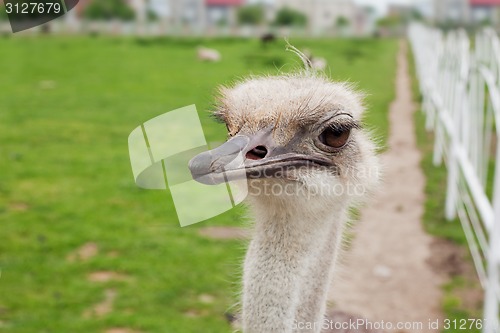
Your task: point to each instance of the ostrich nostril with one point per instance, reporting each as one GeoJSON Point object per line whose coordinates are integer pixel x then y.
{"type": "Point", "coordinates": [257, 153]}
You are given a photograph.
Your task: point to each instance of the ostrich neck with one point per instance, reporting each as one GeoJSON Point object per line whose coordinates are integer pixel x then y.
{"type": "Point", "coordinates": [288, 268]}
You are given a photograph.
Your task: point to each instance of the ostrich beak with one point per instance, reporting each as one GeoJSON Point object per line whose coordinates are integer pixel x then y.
{"type": "Point", "coordinates": [210, 167]}
{"type": "Point", "coordinates": [252, 157]}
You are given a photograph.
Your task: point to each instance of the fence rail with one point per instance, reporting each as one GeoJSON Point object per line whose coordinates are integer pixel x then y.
{"type": "Point", "coordinates": [460, 85]}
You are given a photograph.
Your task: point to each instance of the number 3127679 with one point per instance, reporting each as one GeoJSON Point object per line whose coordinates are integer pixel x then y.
{"type": "Point", "coordinates": [33, 8]}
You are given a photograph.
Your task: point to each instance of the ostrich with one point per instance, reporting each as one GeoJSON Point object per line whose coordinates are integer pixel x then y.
{"type": "Point", "coordinates": [307, 160]}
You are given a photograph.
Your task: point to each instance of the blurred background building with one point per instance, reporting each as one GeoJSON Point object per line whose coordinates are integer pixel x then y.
{"type": "Point", "coordinates": [323, 16]}
{"type": "Point", "coordinates": [284, 17]}
{"type": "Point", "coordinates": [467, 12]}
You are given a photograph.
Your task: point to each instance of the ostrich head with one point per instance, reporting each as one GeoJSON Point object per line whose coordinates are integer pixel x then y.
{"type": "Point", "coordinates": [306, 158]}
{"type": "Point", "coordinates": [296, 129]}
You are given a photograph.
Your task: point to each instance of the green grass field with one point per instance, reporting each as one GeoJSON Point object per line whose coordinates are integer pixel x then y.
{"type": "Point", "coordinates": [67, 106]}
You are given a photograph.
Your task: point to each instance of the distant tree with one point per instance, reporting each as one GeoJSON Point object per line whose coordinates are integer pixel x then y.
{"type": "Point", "coordinates": [251, 15]}
{"type": "Point", "coordinates": [389, 22]}
{"type": "Point", "coordinates": [486, 22]}
{"type": "Point", "coordinates": [108, 10]}
{"type": "Point", "coordinates": [370, 10]}
{"type": "Point", "coordinates": [449, 25]}
{"type": "Point", "coordinates": [151, 15]}
{"type": "Point", "coordinates": [416, 15]}
{"type": "Point", "coordinates": [290, 17]}
{"type": "Point", "coordinates": [222, 22]}
{"type": "Point", "coordinates": [342, 22]}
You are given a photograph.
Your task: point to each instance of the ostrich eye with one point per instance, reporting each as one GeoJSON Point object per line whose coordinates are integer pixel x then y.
{"type": "Point", "coordinates": [335, 137]}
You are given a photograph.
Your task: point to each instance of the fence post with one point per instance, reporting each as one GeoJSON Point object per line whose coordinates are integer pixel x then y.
{"type": "Point", "coordinates": [492, 298]}
{"type": "Point", "coordinates": [452, 181]}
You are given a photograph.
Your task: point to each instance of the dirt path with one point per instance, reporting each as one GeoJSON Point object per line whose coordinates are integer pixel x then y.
{"type": "Point", "coordinates": [385, 274]}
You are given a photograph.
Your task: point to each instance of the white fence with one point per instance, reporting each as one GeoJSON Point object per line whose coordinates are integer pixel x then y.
{"type": "Point", "coordinates": [460, 84]}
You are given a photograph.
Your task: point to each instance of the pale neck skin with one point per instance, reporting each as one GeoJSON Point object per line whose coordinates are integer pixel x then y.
{"type": "Point", "coordinates": [289, 264]}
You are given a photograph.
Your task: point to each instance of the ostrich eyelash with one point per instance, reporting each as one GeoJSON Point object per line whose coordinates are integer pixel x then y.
{"type": "Point", "coordinates": [344, 126]}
